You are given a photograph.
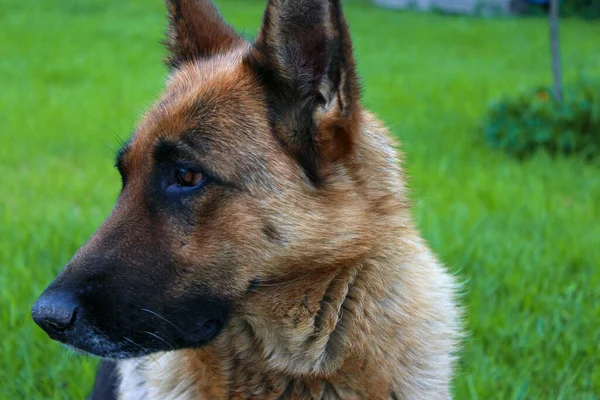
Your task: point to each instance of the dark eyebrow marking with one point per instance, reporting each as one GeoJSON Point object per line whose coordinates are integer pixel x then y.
{"type": "Point", "coordinates": [167, 151]}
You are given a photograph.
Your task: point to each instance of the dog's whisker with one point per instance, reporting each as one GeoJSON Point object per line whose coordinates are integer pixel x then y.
{"type": "Point", "coordinates": [159, 338]}
{"type": "Point", "coordinates": [112, 132]}
{"type": "Point", "coordinates": [134, 343]}
{"type": "Point", "coordinates": [141, 347]}
{"type": "Point", "coordinates": [163, 318]}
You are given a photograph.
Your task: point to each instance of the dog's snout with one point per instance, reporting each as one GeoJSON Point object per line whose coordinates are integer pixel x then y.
{"type": "Point", "coordinates": [55, 313]}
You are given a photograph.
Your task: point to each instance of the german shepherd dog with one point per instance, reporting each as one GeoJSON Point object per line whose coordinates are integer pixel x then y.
{"type": "Point", "coordinates": [262, 245]}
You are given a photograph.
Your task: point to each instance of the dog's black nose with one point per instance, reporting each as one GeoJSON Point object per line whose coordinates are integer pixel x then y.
{"type": "Point", "coordinates": [55, 312]}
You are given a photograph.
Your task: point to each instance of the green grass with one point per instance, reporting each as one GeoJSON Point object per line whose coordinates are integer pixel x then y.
{"type": "Point", "coordinates": [525, 237]}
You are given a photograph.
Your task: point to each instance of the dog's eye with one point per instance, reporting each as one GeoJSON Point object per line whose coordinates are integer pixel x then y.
{"type": "Point", "coordinates": [186, 178]}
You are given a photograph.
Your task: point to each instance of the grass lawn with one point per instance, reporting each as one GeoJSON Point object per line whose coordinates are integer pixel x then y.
{"type": "Point", "coordinates": [525, 237]}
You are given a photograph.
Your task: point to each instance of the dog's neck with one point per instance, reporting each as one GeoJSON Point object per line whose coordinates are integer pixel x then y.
{"type": "Point", "coordinates": [309, 333]}
{"type": "Point", "coordinates": [299, 324]}
{"type": "Point", "coordinates": [306, 337]}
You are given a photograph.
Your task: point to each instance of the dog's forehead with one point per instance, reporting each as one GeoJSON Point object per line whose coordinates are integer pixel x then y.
{"type": "Point", "coordinates": [215, 99]}
{"type": "Point", "coordinates": [205, 91]}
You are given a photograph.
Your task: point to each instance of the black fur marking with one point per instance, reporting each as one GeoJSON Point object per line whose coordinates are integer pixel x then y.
{"type": "Point", "coordinates": [291, 63]}
{"type": "Point", "coordinates": [177, 4]}
{"type": "Point", "coordinates": [107, 382]}
{"type": "Point", "coordinates": [330, 389]}
{"type": "Point", "coordinates": [169, 152]}
{"type": "Point", "coordinates": [349, 90]}
{"type": "Point", "coordinates": [270, 231]}
{"type": "Point", "coordinates": [290, 116]}
{"type": "Point", "coordinates": [325, 301]}
{"type": "Point", "coordinates": [288, 392]}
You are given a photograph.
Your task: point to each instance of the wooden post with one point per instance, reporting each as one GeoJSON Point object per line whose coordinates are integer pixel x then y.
{"type": "Point", "coordinates": [555, 49]}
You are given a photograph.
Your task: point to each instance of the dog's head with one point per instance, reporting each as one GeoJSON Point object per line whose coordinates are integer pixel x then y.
{"type": "Point", "coordinates": [242, 171]}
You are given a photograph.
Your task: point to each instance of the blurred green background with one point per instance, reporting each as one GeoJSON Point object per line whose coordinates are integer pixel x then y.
{"type": "Point", "coordinates": [524, 236]}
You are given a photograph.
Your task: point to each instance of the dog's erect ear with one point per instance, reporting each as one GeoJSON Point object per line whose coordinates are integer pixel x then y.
{"type": "Point", "coordinates": [196, 30]}
{"type": "Point", "coordinates": [303, 54]}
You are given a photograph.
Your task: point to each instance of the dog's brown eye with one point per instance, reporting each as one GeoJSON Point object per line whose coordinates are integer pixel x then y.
{"type": "Point", "coordinates": [187, 178]}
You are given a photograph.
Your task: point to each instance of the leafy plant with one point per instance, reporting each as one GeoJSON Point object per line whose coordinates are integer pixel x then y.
{"type": "Point", "coordinates": [534, 121]}
{"type": "Point", "coordinates": [589, 9]}
{"type": "Point", "coordinates": [582, 8]}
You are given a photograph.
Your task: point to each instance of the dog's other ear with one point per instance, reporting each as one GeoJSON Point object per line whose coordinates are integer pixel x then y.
{"type": "Point", "coordinates": [196, 30]}
{"type": "Point", "coordinates": [303, 54]}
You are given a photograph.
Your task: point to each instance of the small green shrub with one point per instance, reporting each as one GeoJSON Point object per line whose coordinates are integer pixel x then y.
{"type": "Point", "coordinates": [589, 9]}
{"type": "Point", "coordinates": [582, 8]}
{"type": "Point", "coordinates": [534, 121]}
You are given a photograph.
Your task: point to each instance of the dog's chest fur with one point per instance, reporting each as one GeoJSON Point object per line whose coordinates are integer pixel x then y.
{"type": "Point", "coordinates": [138, 384]}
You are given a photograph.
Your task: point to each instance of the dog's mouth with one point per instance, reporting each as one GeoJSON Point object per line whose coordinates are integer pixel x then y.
{"type": "Point", "coordinates": [91, 341]}
{"type": "Point", "coordinates": [118, 333]}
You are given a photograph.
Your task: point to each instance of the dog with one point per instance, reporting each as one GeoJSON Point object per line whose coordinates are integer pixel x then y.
{"type": "Point", "coordinates": [262, 244]}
